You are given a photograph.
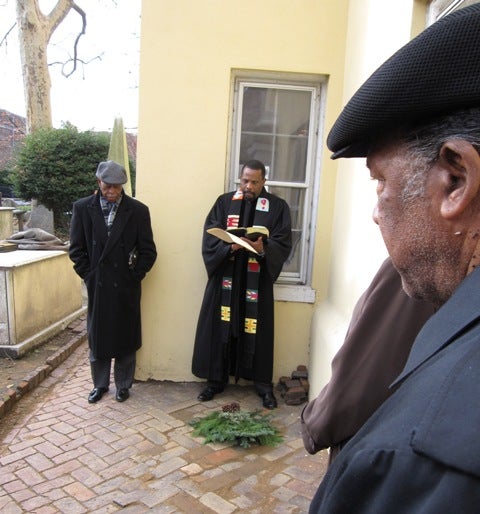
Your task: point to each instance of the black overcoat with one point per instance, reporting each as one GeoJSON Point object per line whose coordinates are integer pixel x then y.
{"type": "Point", "coordinates": [209, 352]}
{"type": "Point", "coordinates": [420, 451]}
{"type": "Point", "coordinates": [101, 260]}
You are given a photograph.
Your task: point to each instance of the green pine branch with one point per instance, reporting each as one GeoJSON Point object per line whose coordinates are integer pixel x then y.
{"type": "Point", "coordinates": [241, 428]}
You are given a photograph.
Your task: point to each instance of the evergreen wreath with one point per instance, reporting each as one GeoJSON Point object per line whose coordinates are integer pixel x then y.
{"type": "Point", "coordinates": [236, 426]}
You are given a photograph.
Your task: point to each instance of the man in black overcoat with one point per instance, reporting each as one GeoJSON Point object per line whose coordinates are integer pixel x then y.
{"type": "Point", "coordinates": [417, 121]}
{"type": "Point", "coordinates": [235, 326]}
{"type": "Point", "coordinates": [112, 248]}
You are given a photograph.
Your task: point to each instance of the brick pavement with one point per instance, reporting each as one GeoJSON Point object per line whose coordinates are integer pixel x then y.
{"type": "Point", "coordinates": [19, 376]}
{"type": "Point", "coordinates": [60, 454]}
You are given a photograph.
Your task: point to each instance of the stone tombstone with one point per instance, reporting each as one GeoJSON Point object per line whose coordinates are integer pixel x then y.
{"type": "Point", "coordinates": [41, 217]}
{"type": "Point", "coordinates": [6, 222]}
{"type": "Point", "coordinates": [9, 202]}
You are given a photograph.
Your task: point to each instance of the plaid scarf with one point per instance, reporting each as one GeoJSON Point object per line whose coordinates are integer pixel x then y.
{"type": "Point", "coordinates": [109, 210]}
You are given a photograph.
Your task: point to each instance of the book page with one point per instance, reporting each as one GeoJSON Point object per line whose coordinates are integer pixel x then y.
{"type": "Point", "coordinates": [230, 238]}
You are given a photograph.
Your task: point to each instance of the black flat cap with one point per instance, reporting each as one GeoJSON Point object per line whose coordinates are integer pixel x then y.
{"type": "Point", "coordinates": [111, 172]}
{"type": "Point", "coordinates": [436, 73]}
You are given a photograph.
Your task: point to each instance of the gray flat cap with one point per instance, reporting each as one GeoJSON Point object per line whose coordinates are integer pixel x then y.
{"type": "Point", "coordinates": [436, 73]}
{"type": "Point", "coordinates": [111, 172]}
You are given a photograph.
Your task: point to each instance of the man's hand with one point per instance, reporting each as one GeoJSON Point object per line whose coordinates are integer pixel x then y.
{"type": "Point", "coordinates": [258, 244]}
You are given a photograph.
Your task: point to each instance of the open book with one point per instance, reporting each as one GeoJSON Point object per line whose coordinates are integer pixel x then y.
{"type": "Point", "coordinates": [230, 238]}
{"type": "Point", "coordinates": [252, 233]}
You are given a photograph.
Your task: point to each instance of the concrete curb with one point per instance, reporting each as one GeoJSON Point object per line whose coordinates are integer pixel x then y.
{"type": "Point", "coordinates": [33, 379]}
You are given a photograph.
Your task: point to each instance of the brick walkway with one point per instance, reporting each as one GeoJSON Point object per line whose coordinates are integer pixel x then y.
{"type": "Point", "coordinates": [59, 454]}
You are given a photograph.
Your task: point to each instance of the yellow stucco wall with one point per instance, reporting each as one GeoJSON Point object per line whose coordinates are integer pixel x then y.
{"type": "Point", "coordinates": [44, 293]}
{"type": "Point", "coordinates": [39, 295]}
{"type": "Point", "coordinates": [376, 29]}
{"type": "Point", "coordinates": [188, 49]}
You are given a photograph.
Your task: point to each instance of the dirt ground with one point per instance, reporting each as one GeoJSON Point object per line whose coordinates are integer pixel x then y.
{"type": "Point", "coordinates": [13, 371]}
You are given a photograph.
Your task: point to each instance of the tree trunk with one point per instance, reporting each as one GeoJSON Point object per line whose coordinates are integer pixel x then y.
{"type": "Point", "coordinates": [34, 32]}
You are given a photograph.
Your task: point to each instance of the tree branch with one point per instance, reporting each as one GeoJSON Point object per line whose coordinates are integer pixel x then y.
{"type": "Point", "coordinates": [75, 7]}
{"type": "Point", "coordinates": [63, 64]}
{"type": "Point", "coordinates": [4, 38]}
{"type": "Point", "coordinates": [58, 14]}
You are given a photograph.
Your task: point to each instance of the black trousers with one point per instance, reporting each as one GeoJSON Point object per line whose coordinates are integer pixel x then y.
{"type": "Point", "coordinates": [260, 387]}
{"type": "Point", "coordinates": [123, 371]}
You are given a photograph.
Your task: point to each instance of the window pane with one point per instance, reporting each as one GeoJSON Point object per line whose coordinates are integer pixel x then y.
{"type": "Point", "coordinates": [290, 158]}
{"type": "Point", "coordinates": [255, 146]}
{"type": "Point", "coordinates": [274, 130]}
{"type": "Point", "coordinates": [295, 198]}
{"type": "Point", "coordinates": [293, 111]}
{"type": "Point", "coordinates": [275, 119]}
{"type": "Point", "coordinates": [258, 109]}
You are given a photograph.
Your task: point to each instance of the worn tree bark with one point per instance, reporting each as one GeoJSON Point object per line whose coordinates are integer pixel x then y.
{"type": "Point", "coordinates": [34, 32]}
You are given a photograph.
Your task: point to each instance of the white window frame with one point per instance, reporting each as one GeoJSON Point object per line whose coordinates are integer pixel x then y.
{"type": "Point", "coordinates": [290, 286]}
{"type": "Point", "coordinates": [439, 8]}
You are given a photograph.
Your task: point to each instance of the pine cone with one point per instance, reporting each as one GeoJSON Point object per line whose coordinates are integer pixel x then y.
{"type": "Point", "coordinates": [231, 407]}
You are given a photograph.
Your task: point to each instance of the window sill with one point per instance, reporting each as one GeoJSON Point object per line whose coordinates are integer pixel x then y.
{"type": "Point", "coordinates": [299, 294]}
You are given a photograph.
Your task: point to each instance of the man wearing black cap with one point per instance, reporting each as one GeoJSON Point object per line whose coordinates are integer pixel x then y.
{"type": "Point", "coordinates": [112, 248]}
{"type": "Point", "coordinates": [417, 120]}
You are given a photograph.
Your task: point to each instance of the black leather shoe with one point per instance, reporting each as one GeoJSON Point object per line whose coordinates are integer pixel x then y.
{"type": "Point", "coordinates": [269, 401]}
{"type": "Point", "coordinates": [96, 394]}
{"type": "Point", "coordinates": [208, 393]}
{"type": "Point", "coordinates": [122, 395]}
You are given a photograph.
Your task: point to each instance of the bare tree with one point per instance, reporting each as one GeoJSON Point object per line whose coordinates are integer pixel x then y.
{"type": "Point", "coordinates": [34, 32]}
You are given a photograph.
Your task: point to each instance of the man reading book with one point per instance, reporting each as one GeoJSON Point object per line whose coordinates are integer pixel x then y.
{"type": "Point", "coordinates": [235, 326]}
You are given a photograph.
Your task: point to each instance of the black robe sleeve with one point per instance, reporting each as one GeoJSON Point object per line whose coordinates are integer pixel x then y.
{"type": "Point", "coordinates": [279, 244]}
{"type": "Point", "coordinates": [214, 250]}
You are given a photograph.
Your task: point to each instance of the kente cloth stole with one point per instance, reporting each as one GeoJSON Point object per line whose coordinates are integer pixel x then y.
{"type": "Point", "coordinates": [251, 294]}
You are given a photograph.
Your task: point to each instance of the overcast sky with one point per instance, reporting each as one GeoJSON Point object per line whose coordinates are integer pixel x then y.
{"type": "Point", "coordinates": [99, 91]}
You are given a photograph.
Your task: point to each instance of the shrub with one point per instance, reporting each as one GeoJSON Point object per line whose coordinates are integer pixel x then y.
{"type": "Point", "coordinates": [57, 166]}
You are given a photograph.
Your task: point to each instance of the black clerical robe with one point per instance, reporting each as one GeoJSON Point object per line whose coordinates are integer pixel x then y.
{"type": "Point", "coordinates": [214, 358]}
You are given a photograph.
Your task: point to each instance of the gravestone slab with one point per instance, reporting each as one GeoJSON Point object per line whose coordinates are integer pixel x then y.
{"type": "Point", "coordinates": [40, 217]}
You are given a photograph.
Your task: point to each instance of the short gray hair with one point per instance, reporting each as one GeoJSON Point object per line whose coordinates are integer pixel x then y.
{"type": "Point", "coordinates": [423, 143]}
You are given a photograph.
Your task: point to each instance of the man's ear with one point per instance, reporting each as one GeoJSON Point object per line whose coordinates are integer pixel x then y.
{"type": "Point", "coordinates": [461, 163]}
